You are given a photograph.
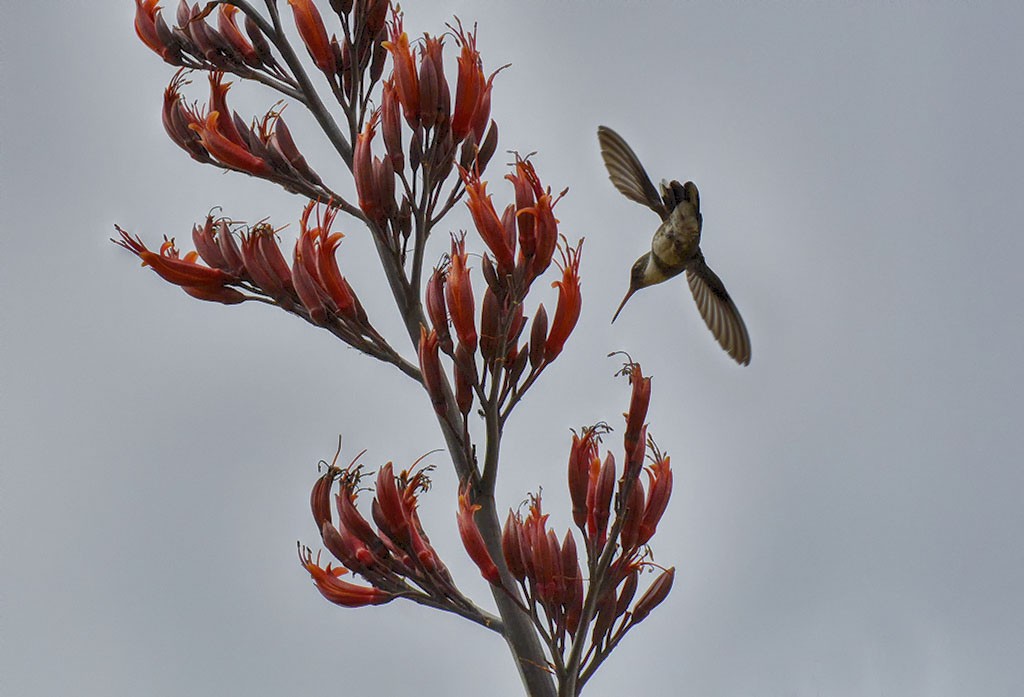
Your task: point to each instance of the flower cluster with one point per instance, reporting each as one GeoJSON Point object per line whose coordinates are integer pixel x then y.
{"type": "Point", "coordinates": [216, 135]}
{"type": "Point", "coordinates": [616, 515]}
{"type": "Point", "coordinates": [246, 263]}
{"type": "Point", "coordinates": [393, 554]}
{"type": "Point", "coordinates": [522, 240]}
{"type": "Point", "coordinates": [424, 132]}
{"type": "Point", "coordinates": [196, 44]}
{"type": "Point", "coordinates": [617, 518]}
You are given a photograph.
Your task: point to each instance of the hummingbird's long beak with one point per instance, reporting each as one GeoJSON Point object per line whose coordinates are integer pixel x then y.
{"type": "Point", "coordinates": [629, 294]}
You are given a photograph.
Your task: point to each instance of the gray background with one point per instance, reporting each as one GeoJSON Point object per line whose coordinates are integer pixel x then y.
{"type": "Point", "coordinates": [847, 516]}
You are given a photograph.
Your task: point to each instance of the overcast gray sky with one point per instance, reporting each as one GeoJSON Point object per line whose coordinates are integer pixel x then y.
{"type": "Point", "coordinates": [847, 515]}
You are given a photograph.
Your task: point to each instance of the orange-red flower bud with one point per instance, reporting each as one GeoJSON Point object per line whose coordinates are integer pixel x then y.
{"type": "Point", "coordinates": [632, 515]}
{"type": "Point", "coordinates": [465, 377]}
{"type": "Point", "coordinates": [178, 120]}
{"type": "Point", "coordinates": [538, 337]}
{"type": "Point", "coordinates": [430, 369]}
{"type": "Point", "coordinates": [599, 498]}
{"type": "Point", "coordinates": [436, 309]}
{"type": "Point", "coordinates": [459, 294]}
{"type": "Point", "coordinates": [391, 124]}
{"type": "Point", "coordinates": [487, 222]}
{"type": "Point", "coordinates": [167, 264]}
{"type": "Point", "coordinates": [654, 595]}
{"type": "Point", "coordinates": [337, 591]}
{"type": "Point", "coordinates": [567, 312]}
{"type": "Point", "coordinates": [406, 80]}
{"type": "Point", "coordinates": [313, 33]}
{"type": "Point", "coordinates": [225, 150]}
{"type": "Point", "coordinates": [660, 486]}
{"type": "Point", "coordinates": [391, 515]}
{"type": "Point", "coordinates": [473, 541]}
{"type": "Point", "coordinates": [470, 84]}
{"type": "Point", "coordinates": [435, 99]}
{"type": "Point", "coordinates": [307, 288]}
{"type": "Point", "coordinates": [233, 36]}
{"type": "Point", "coordinates": [206, 244]}
{"type": "Point", "coordinates": [511, 546]}
{"type": "Point", "coordinates": [364, 173]}
{"type": "Point", "coordinates": [627, 592]}
{"type": "Point", "coordinates": [583, 452]}
{"type": "Point", "coordinates": [154, 32]}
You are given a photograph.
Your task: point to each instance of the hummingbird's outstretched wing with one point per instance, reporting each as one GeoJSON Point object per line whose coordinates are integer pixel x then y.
{"type": "Point", "coordinates": [718, 310]}
{"type": "Point", "coordinates": [626, 172]}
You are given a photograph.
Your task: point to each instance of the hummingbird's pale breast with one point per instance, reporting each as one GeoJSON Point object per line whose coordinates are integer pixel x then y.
{"type": "Point", "coordinates": [677, 240]}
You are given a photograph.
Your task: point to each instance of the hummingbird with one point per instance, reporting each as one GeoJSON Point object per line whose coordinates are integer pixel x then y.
{"type": "Point", "coordinates": [676, 244]}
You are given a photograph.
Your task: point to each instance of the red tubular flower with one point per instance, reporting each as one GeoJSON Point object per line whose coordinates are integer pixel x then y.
{"type": "Point", "coordinates": [487, 222]}
{"type": "Point", "coordinates": [334, 283]}
{"type": "Point", "coordinates": [406, 80]}
{"type": "Point", "coordinates": [459, 294]}
{"type": "Point", "coordinates": [154, 32]}
{"type": "Point", "coordinates": [435, 99]}
{"type": "Point", "coordinates": [205, 241]}
{"type": "Point", "coordinates": [282, 142]}
{"type": "Point", "coordinates": [660, 486]}
{"type": "Point", "coordinates": [573, 583]}
{"type": "Point", "coordinates": [473, 541]}
{"type": "Point", "coordinates": [490, 323]}
{"type": "Point", "coordinates": [337, 591]}
{"type": "Point", "coordinates": [233, 36]}
{"type": "Point", "coordinates": [394, 519]}
{"type": "Point", "coordinates": [470, 84]}
{"type": "Point", "coordinates": [511, 546]}
{"type": "Point", "coordinates": [567, 312]}
{"type": "Point", "coordinates": [363, 171]}
{"type": "Point", "coordinates": [227, 151]}
{"type": "Point", "coordinates": [320, 497]}
{"type": "Point", "coordinates": [430, 369]}
{"type": "Point", "coordinates": [258, 269]}
{"type": "Point", "coordinates": [391, 124]}
{"type": "Point", "coordinates": [632, 516]}
{"type": "Point", "coordinates": [229, 249]}
{"type": "Point", "coordinates": [545, 233]}
{"type": "Point", "coordinates": [627, 591]}
{"type": "Point", "coordinates": [523, 180]}
{"type": "Point", "coordinates": [634, 437]}
{"type": "Point", "coordinates": [307, 288]}
{"type": "Point", "coordinates": [178, 120]}
{"type": "Point", "coordinates": [198, 281]}
{"type": "Point", "coordinates": [436, 309]}
{"type": "Point", "coordinates": [353, 522]}
{"type": "Point", "coordinates": [583, 452]}
{"type": "Point", "coordinates": [599, 498]}
{"type": "Point", "coordinates": [313, 33]}
{"type": "Point", "coordinates": [654, 595]}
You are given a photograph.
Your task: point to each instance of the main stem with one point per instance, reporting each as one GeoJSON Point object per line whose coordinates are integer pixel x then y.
{"type": "Point", "coordinates": [520, 634]}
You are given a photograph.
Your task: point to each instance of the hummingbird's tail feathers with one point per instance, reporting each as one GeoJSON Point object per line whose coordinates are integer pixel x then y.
{"type": "Point", "coordinates": [719, 311]}
{"type": "Point", "coordinates": [626, 172]}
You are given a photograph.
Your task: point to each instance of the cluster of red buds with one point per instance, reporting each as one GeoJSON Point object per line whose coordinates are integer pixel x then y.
{"type": "Point", "coordinates": [194, 43]}
{"type": "Point", "coordinates": [216, 135]}
{"type": "Point", "coordinates": [615, 513]}
{"type": "Point", "coordinates": [617, 518]}
{"type": "Point", "coordinates": [523, 241]}
{"type": "Point", "coordinates": [247, 263]}
{"type": "Point", "coordinates": [424, 134]}
{"type": "Point", "coordinates": [393, 554]}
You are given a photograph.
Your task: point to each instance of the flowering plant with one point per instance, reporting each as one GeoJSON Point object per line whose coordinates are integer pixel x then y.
{"type": "Point", "coordinates": [561, 607]}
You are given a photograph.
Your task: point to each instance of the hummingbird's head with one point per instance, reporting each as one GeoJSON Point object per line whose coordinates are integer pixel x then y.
{"type": "Point", "coordinates": [637, 280]}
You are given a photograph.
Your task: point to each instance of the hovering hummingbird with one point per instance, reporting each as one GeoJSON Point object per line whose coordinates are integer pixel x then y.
{"type": "Point", "coordinates": [676, 244]}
